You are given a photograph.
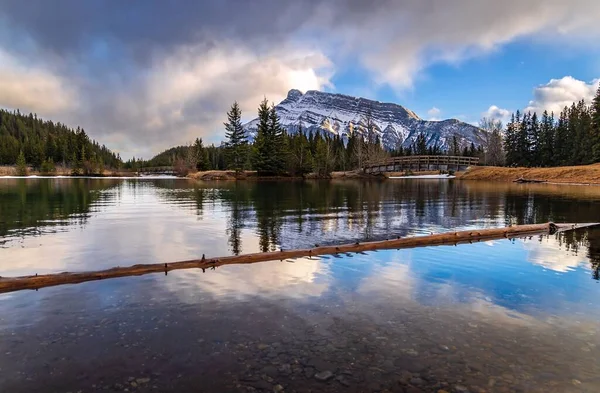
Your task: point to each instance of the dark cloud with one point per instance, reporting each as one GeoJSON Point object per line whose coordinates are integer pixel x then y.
{"type": "Point", "coordinates": [142, 75]}
{"type": "Point", "coordinates": [71, 27]}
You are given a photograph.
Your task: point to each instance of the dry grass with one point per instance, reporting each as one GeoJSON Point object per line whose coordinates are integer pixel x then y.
{"type": "Point", "coordinates": [216, 175]}
{"type": "Point", "coordinates": [252, 175]}
{"type": "Point", "coordinates": [60, 171]}
{"type": "Point", "coordinates": [584, 174]}
{"type": "Point", "coordinates": [8, 171]}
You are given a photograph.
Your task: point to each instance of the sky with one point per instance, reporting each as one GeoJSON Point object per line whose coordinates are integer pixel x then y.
{"type": "Point", "coordinates": [144, 75]}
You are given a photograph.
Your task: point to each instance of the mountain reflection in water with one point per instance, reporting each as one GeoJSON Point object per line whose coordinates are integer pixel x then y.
{"type": "Point", "coordinates": [499, 316]}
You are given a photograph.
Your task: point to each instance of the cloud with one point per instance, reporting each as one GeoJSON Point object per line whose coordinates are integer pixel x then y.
{"type": "Point", "coordinates": [434, 114]}
{"type": "Point", "coordinates": [188, 92]}
{"type": "Point", "coordinates": [495, 113]}
{"type": "Point", "coordinates": [34, 88]}
{"type": "Point", "coordinates": [551, 255]}
{"type": "Point", "coordinates": [558, 93]}
{"type": "Point", "coordinates": [143, 76]}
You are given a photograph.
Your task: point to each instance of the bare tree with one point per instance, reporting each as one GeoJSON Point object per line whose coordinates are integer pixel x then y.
{"type": "Point", "coordinates": [374, 149]}
{"type": "Point", "coordinates": [359, 151]}
{"type": "Point", "coordinates": [494, 151]}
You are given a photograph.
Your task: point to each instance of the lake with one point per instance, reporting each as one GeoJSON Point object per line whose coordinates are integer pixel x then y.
{"type": "Point", "coordinates": [517, 315]}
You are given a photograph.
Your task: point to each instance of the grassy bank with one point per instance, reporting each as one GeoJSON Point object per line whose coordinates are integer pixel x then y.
{"type": "Point", "coordinates": [583, 174]}
{"type": "Point", "coordinates": [60, 171]}
{"type": "Point", "coordinates": [252, 175]}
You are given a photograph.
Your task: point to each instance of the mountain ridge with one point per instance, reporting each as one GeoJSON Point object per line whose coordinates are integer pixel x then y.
{"type": "Point", "coordinates": [341, 114]}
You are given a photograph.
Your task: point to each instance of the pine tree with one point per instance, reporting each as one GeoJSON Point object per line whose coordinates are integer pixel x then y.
{"type": "Point", "coordinates": [21, 165]}
{"type": "Point", "coordinates": [454, 147]}
{"type": "Point", "coordinates": [261, 148]}
{"type": "Point", "coordinates": [523, 140]}
{"type": "Point", "coordinates": [510, 140]}
{"type": "Point", "coordinates": [278, 141]}
{"type": "Point", "coordinates": [533, 140]}
{"type": "Point", "coordinates": [421, 145]}
{"type": "Point", "coordinates": [324, 157]}
{"type": "Point", "coordinates": [595, 127]}
{"type": "Point", "coordinates": [561, 152]}
{"type": "Point", "coordinates": [236, 144]}
{"type": "Point", "coordinates": [200, 156]}
{"type": "Point", "coordinates": [546, 141]}
{"type": "Point", "coordinates": [301, 159]}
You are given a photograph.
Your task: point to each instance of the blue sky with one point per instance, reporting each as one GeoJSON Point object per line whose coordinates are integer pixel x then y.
{"type": "Point", "coordinates": [143, 76]}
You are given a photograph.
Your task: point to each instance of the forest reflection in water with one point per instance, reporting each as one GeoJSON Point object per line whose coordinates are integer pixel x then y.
{"type": "Point", "coordinates": [295, 214]}
{"type": "Point", "coordinates": [497, 316]}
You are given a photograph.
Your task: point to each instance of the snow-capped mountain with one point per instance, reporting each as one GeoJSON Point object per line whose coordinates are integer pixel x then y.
{"type": "Point", "coordinates": [341, 115]}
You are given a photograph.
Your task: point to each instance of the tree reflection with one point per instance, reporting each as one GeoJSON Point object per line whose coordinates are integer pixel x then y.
{"type": "Point", "coordinates": [28, 206]}
{"type": "Point", "coordinates": [296, 214]}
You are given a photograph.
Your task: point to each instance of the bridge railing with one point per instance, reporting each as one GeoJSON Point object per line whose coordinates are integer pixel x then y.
{"type": "Point", "coordinates": [398, 164]}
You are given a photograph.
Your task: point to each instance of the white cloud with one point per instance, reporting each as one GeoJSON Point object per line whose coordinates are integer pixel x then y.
{"type": "Point", "coordinates": [33, 87]}
{"type": "Point", "coordinates": [188, 93]}
{"type": "Point", "coordinates": [141, 95]}
{"type": "Point", "coordinates": [434, 114]}
{"type": "Point", "coordinates": [398, 40]}
{"type": "Point", "coordinates": [496, 113]}
{"type": "Point", "coordinates": [558, 93]}
{"type": "Point", "coordinates": [551, 255]}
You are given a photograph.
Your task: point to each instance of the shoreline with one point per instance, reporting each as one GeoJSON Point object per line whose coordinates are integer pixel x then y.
{"type": "Point", "coordinates": [583, 175]}
{"type": "Point", "coordinates": [588, 175]}
{"type": "Point", "coordinates": [227, 175]}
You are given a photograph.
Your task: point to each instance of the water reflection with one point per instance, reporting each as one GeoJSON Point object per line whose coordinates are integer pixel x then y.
{"type": "Point", "coordinates": [499, 316]}
{"type": "Point", "coordinates": [28, 206]}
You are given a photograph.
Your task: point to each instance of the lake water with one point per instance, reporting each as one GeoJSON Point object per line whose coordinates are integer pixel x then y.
{"type": "Point", "coordinates": [502, 316]}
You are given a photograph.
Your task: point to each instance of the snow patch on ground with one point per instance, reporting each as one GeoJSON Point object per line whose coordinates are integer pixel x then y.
{"type": "Point", "coordinates": [424, 177]}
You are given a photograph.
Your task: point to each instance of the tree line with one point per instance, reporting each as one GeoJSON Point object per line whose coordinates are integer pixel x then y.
{"type": "Point", "coordinates": [29, 140]}
{"type": "Point", "coordinates": [272, 151]}
{"type": "Point", "coordinates": [571, 139]}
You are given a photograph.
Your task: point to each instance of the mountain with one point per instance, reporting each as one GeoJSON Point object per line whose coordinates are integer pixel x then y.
{"type": "Point", "coordinates": [339, 114]}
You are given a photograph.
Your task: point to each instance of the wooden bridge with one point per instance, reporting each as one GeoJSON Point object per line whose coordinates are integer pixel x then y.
{"type": "Point", "coordinates": [422, 163]}
{"type": "Point", "coordinates": [157, 170]}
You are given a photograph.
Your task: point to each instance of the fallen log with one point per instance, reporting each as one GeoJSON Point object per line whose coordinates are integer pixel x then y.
{"type": "Point", "coordinates": [11, 284]}
{"type": "Point", "coordinates": [523, 180]}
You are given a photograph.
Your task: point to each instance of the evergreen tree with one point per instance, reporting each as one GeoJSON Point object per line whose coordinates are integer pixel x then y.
{"type": "Point", "coordinates": [21, 165]}
{"type": "Point", "coordinates": [236, 144]}
{"type": "Point", "coordinates": [454, 147]}
{"type": "Point", "coordinates": [595, 126]}
{"type": "Point", "coordinates": [48, 167]}
{"type": "Point", "coordinates": [523, 140]}
{"type": "Point", "coordinates": [324, 157]}
{"type": "Point", "coordinates": [421, 145]}
{"type": "Point", "coordinates": [278, 141]}
{"type": "Point", "coordinates": [200, 156]}
{"type": "Point", "coordinates": [511, 140]}
{"type": "Point", "coordinates": [300, 157]}
{"type": "Point", "coordinates": [546, 140]}
{"type": "Point", "coordinates": [269, 150]}
{"type": "Point", "coordinates": [533, 139]}
{"type": "Point", "coordinates": [472, 150]}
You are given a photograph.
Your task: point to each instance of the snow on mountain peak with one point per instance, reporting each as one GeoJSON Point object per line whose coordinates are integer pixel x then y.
{"type": "Point", "coordinates": [338, 114]}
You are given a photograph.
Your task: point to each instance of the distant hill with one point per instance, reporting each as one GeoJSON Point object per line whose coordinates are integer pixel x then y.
{"type": "Point", "coordinates": [396, 126]}
{"type": "Point", "coordinates": [41, 140]}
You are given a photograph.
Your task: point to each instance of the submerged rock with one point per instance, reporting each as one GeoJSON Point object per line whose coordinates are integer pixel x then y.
{"type": "Point", "coordinates": [324, 376]}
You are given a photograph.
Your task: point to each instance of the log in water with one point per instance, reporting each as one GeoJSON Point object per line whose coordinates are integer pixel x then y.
{"type": "Point", "coordinates": [11, 284]}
